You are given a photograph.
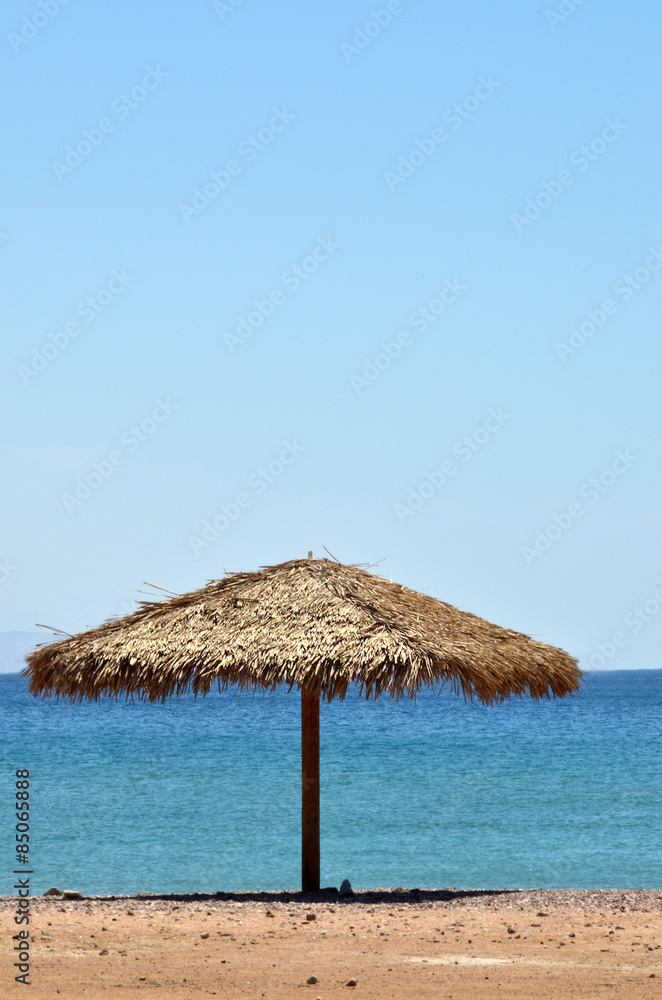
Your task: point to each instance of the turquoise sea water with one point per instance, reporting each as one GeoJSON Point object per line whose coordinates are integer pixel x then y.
{"type": "Point", "coordinates": [205, 795]}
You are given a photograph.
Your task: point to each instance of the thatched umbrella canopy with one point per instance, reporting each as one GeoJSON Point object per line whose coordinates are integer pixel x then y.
{"type": "Point", "coordinates": [311, 624]}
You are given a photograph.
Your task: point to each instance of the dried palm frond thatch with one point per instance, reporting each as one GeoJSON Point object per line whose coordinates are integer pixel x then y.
{"type": "Point", "coordinates": [317, 625]}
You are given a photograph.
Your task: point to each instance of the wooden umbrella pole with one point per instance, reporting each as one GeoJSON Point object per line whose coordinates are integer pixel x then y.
{"type": "Point", "coordinates": [310, 791]}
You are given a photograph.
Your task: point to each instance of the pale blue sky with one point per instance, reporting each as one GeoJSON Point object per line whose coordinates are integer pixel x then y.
{"type": "Point", "coordinates": [312, 219]}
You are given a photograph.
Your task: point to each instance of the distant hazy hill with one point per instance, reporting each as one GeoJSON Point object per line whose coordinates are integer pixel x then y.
{"type": "Point", "coordinates": [14, 647]}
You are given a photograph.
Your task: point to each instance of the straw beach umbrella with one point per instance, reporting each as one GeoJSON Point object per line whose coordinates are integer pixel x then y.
{"type": "Point", "coordinates": [314, 625]}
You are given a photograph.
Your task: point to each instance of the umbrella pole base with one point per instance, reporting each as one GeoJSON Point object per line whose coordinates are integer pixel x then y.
{"type": "Point", "coordinates": [310, 792]}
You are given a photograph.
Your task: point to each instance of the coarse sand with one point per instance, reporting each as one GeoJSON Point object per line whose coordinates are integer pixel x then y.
{"type": "Point", "coordinates": [400, 944]}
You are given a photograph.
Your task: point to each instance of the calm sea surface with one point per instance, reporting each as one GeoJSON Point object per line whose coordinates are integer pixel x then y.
{"type": "Point", "coordinates": [205, 795]}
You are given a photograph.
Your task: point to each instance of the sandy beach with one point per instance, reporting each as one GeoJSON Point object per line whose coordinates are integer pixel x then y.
{"type": "Point", "coordinates": [383, 943]}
